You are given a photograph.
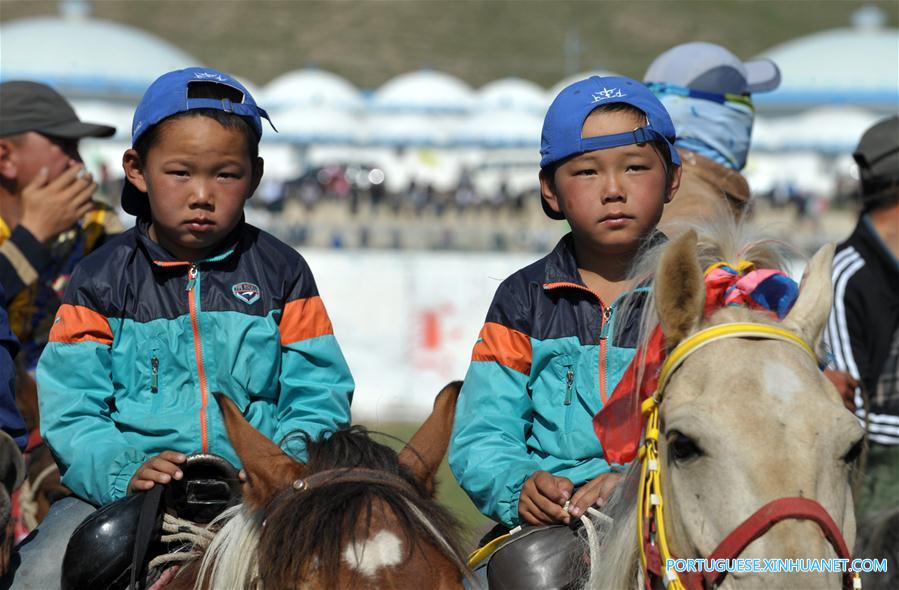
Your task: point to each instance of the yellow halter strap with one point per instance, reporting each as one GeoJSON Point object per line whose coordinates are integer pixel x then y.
{"type": "Point", "coordinates": [650, 505]}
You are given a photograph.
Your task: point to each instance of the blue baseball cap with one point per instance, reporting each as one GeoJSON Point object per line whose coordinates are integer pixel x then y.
{"type": "Point", "coordinates": [565, 118]}
{"type": "Point", "coordinates": [169, 95]}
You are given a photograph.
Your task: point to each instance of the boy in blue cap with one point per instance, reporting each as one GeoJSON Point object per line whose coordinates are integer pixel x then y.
{"type": "Point", "coordinates": [555, 344]}
{"type": "Point", "coordinates": [191, 301]}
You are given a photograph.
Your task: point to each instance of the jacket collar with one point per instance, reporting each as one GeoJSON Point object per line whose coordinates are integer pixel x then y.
{"type": "Point", "coordinates": [160, 257]}
{"type": "Point", "coordinates": [561, 263]}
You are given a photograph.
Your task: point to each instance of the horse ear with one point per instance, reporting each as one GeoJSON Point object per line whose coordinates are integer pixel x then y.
{"type": "Point", "coordinates": [269, 470]}
{"type": "Point", "coordinates": [426, 449]}
{"type": "Point", "coordinates": [679, 289]}
{"type": "Point", "coordinates": [812, 308]}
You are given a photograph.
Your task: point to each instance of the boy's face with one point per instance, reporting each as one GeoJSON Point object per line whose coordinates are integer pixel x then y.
{"type": "Point", "coordinates": [198, 174]}
{"type": "Point", "coordinates": [612, 198]}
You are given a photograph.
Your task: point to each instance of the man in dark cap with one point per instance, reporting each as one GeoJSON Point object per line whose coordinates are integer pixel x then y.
{"type": "Point", "coordinates": [48, 221]}
{"type": "Point", "coordinates": [863, 332]}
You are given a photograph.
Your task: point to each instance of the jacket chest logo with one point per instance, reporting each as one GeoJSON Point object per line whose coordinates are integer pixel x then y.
{"type": "Point", "coordinates": [246, 292]}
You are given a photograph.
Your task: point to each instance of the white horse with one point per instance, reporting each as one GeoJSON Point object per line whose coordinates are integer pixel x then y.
{"type": "Point", "coordinates": [744, 420]}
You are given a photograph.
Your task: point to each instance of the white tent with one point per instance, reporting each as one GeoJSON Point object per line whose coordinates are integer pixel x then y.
{"type": "Point", "coordinates": [86, 56]}
{"type": "Point", "coordinates": [855, 66]}
{"type": "Point", "coordinates": [424, 91]}
{"type": "Point", "coordinates": [405, 129]}
{"type": "Point", "coordinates": [512, 94]}
{"type": "Point", "coordinates": [317, 125]}
{"type": "Point", "coordinates": [825, 129]}
{"type": "Point", "coordinates": [311, 87]}
{"type": "Point", "coordinates": [500, 129]}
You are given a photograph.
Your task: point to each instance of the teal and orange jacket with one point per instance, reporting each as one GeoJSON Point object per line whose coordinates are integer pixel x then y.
{"type": "Point", "coordinates": [550, 353]}
{"type": "Point", "coordinates": [142, 341]}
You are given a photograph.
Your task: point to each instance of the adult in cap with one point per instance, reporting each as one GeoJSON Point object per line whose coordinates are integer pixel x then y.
{"type": "Point", "coordinates": [863, 332]}
{"type": "Point", "coordinates": [708, 91]}
{"type": "Point", "coordinates": [48, 221]}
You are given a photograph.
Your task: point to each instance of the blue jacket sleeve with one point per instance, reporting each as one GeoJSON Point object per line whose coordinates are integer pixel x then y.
{"type": "Point", "coordinates": [75, 392]}
{"type": "Point", "coordinates": [488, 452]}
{"type": "Point", "coordinates": [10, 419]}
{"type": "Point", "coordinates": [316, 385]}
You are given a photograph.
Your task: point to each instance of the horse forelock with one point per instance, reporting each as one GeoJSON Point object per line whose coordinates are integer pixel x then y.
{"type": "Point", "coordinates": [322, 523]}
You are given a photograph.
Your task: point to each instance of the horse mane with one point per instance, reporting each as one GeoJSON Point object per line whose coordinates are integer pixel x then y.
{"type": "Point", "coordinates": [305, 534]}
{"type": "Point", "coordinates": [721, 238]}
{"type": "Point", "coordinates": [620, 555]}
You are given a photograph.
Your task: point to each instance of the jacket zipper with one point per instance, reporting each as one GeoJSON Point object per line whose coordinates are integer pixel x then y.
{"type": "Point", "coordinates": [193, 294]}
{"type": "Point", "coordinates": [606, 314]}
{"type": "Point", "coordinates": [154, 365]}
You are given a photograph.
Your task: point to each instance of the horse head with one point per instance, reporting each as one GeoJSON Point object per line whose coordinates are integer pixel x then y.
{"type": "Point", "coordinates": [748, 420]}
{"type": "Point", "coordinates": [357, 513]}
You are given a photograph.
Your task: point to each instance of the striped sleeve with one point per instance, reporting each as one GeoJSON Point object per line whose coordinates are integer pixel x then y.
{"type": "Point", "coordinates": [316, 383]}
{"type": "Point", "coordinates": [846, 343]}
{"type": "Point", "coordinates": [22, 257]}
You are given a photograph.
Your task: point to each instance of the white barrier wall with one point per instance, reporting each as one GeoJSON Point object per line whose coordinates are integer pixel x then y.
{"type": "Point", "coordinates": [407, 321]}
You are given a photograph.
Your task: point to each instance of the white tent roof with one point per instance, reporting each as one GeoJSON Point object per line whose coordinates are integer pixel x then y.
{"type": "Point", "coordinates": [86, 56]}
{"type": "Point", "coordinates": [497, 129]}
{"type": "Point", "coordinates": [424, 91]}
{"type": "Point", "coordinates": [514, 94]}
{"type": "Point", "coordinates": [317, 125]}
{"type": "Point", "coordinates": [825, 129]}
{"type": "Point", "coordinates": [562, 84]}
{"type": "Point", "coordinates": [311, 87]}
{"type": "Point", "coordinates": [841, 66]}
{"type": "Point", "coordinates": [405, 129]}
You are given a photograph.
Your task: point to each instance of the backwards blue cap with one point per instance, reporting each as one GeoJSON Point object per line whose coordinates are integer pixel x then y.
{"type": "Point", "coordinates": [168, 96]}
{"type": "Point", "coordinates": [565, 118]}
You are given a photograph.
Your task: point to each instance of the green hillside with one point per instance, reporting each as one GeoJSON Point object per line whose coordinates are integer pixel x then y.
{"type": "Point", "coordinates": [369, 42]}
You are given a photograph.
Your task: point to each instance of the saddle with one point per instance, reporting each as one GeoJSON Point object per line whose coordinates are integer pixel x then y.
{"type": "Point", "coordinates": [112, 547]}
{"type": "Point", "coordinates": [548, 557]}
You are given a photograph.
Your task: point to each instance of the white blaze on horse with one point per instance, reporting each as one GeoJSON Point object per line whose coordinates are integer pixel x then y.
{"type": "Point", "coordinates": [746, 420]}
{"type": "Point", "coordinates": [356, 515]}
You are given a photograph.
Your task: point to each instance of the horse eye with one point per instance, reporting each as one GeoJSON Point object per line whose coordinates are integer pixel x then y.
{"type": "Point", "coordinates": [854, 451]}
{"type": "Point", "coordinates": [683, 448]}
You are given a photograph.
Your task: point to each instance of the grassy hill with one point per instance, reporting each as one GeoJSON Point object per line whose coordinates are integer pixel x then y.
{"type": "Point", "coordinates": [370, 41]}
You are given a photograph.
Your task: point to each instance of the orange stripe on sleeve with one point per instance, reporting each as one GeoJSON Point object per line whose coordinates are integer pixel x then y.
{"type": "Point", "coordinates": [75, 323]}
{"type": "Point", "coordinates": [505, 346]}
{"type": "Point", "coordinates": [303, 319]}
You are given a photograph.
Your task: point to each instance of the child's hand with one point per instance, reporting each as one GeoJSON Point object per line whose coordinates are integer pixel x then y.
{"type": "Point", "coordinates": [159, 469]}
{"type": "Point", "coordinates": [594, 492]}
{"type": "Point", "coordinates": [542, 498]}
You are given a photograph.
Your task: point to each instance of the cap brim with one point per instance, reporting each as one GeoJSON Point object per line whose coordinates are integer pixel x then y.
{"type": "Point", "coordinates": [762, 75]}
{"type": "Point", "coordinates": [77, 130]}
{"type": "Point", "coordinates": [134, 201]}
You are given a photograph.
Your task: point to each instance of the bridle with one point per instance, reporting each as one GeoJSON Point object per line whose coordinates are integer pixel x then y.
{"type": "Point", "coordinates": [652, 540]}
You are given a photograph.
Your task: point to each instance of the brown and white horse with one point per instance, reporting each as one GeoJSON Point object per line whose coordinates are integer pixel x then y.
{"type": "Point", "coordinates": [356, 515]}
{"type": "Point", "coordinates": [745, 422]}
